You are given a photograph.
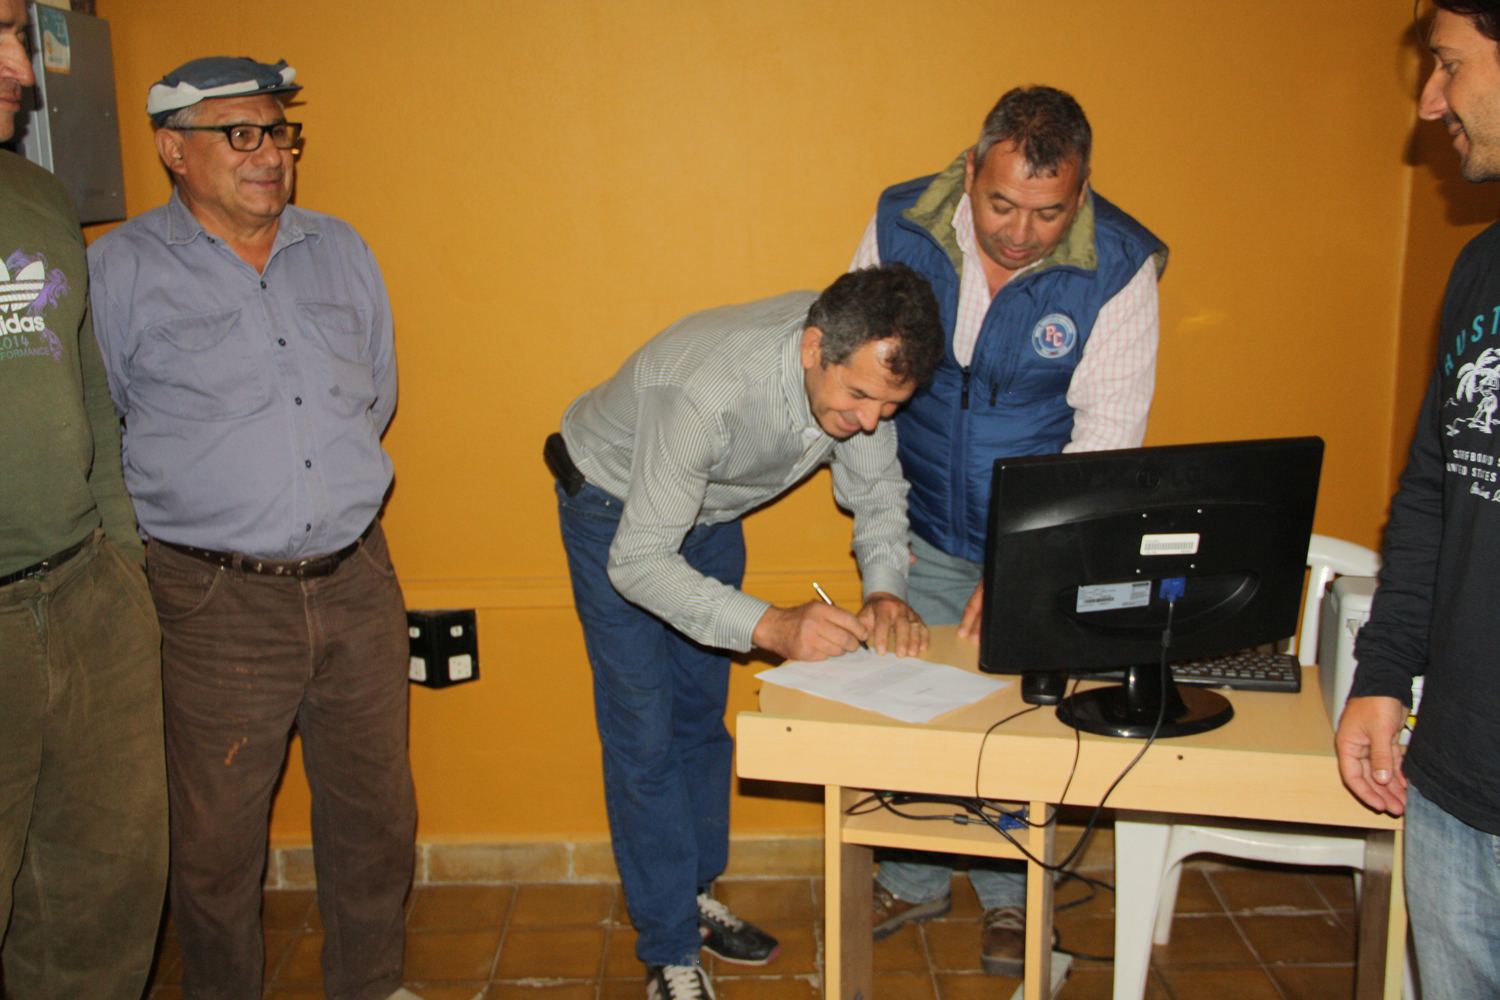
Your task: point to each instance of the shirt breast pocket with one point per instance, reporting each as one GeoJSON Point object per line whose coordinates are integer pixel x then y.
{"type": "Point", "coordinates": [345, 369]}
{"type": "Point", "coordinates": [201, 367]}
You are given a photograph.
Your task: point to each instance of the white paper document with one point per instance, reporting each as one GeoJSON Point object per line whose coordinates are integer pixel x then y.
{"type": "Point", "coordinates": [902, 687]}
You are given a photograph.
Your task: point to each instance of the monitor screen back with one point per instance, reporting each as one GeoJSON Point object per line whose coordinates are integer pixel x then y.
{"type": "Point", "coordinates": [1079, 543]}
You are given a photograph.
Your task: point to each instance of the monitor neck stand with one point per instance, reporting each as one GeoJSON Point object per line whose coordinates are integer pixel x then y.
{"type": "Point", "coordinates": [1132, 709]}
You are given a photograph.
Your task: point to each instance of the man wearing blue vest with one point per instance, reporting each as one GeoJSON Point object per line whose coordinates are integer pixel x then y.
{"type": "Point", "coordinates": [1048, 300]}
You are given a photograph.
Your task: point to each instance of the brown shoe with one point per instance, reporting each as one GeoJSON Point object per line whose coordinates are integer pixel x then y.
{"type": "Point", "coordinates": [1002, 943]}
{"type": "Point", "coordinates": [891, 914]}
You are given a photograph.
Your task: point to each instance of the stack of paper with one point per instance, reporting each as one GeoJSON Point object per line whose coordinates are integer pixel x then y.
{"type": "Point", "coordinates": [901, 687]}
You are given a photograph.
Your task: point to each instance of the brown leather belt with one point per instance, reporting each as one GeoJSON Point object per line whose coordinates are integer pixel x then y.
{"type": "Point", "coordinates": [298, 569]}
{"type": "Point", "coordinates": [51, 562]}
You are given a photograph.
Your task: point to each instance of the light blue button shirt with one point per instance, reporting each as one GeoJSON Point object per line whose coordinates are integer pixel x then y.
{"type": "Point", "coordinates": [253, 403]}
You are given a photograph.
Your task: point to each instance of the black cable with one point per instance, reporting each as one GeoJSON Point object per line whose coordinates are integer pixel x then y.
{"type": "Point", "coordinates": [976, 807]}
{"type": "Point", "coordinates": [1077, 750]}
{"type": "Point", "coordinates": [1094, 885]}
{"type": "Point", "coordinates": [1161, 716]}
{"type": "Point", "coordinates": [979, 765]}
{"type": "Point", "coordinates": [882, 800]}
{"type": "Point", "coordinates": [1161, 712]}
{"type": "Point", "coordinates": [1083, 955]}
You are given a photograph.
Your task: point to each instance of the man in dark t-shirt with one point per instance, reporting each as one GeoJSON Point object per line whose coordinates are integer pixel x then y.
{"type": "Point", "coordinates": [1436, 611]}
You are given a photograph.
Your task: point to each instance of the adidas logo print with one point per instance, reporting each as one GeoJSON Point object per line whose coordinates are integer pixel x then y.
{"type": "Point", "coordinates": [19, 292]}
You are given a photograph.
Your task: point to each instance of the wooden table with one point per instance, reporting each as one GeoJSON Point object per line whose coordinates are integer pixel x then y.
{"type": "Point", "coordinates": [1273, 761]}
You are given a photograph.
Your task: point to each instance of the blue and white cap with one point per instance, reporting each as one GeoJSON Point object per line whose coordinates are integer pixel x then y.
{"type": "Point", "coordinates": [216, 76]}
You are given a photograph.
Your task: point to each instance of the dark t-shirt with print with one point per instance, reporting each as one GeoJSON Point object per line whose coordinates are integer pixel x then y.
{"type": "Point", "coordinates": [1437, 611]}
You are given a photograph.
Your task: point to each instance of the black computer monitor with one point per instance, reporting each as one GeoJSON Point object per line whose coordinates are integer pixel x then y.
{"type": "Point", "coordinates": [1079, 545]}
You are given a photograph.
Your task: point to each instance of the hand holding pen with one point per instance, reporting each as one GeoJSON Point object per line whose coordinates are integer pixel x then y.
{"type": "Point", "coordinates": [813, 631]}
{"type": "Point", "coordinates": [827, 600]}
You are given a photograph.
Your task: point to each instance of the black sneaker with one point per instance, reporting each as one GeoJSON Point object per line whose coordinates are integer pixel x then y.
{"type": "Point", "coordinates": [730, 939]}
{"type": "Point", "coordinates": [677, 982]}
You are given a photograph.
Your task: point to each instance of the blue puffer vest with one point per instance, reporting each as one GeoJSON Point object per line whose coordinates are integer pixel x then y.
{"type": "Point", "coordinates": [1012, 399]}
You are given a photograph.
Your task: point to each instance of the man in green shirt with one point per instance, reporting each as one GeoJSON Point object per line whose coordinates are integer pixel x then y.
{"type": "Point", "coordinates": [82, 783]}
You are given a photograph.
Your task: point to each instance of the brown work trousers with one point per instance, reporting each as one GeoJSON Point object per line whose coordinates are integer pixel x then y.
{"type": "Point", "coordinates": [83, 805]}
{"type": "Point", "coordinates": [246, 657]}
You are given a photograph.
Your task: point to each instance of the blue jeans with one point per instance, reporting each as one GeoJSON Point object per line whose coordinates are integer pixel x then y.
{"type": "Point", "coordinates": [1453, 899]}
{"type": "Point", "coordinates": [938, 588]}
{"type": "Point", "coordinates": [659, 700]}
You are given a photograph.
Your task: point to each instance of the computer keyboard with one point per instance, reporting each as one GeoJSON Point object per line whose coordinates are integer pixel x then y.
{"type": "Point", "coordinates": [1245, 671]}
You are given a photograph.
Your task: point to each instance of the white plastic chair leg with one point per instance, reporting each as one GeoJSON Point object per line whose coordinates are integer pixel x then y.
{"type": "Point", "coordinates": [1140, 861]}
{"type": "Point", "coordinates": [1167, 905]}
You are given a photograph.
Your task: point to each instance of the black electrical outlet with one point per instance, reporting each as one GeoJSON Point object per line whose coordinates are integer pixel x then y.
{"type": "Point", "coordinates": [444, 647]}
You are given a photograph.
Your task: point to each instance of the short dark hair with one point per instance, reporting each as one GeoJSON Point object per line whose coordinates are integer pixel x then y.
{"type": "Point", "coordinates": [1045, 123]}
{"type": "Point", "coordinates": [876, 303]}
{"type": "Point", "coordinates": [1484, 13]}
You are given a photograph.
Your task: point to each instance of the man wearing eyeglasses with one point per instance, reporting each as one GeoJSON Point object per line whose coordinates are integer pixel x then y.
{"type": "Point", "coordinates": [249, 351]}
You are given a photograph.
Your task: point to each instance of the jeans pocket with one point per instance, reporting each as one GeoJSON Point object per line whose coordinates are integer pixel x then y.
{"type": "Point", "coordinates": [179, 594]}
{"type": "Point", "coordinates": [132, 575]}
{"type": "Point", "coordinates": [590, 502]}
{"type": "Point", "coordinates": [379, 561]}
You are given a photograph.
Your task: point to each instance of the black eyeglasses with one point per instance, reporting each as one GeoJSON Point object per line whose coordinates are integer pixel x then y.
{"type": "Point", "coordinates": [247, 138]}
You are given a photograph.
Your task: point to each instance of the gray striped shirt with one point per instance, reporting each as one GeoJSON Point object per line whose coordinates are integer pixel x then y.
{"type": "Point", "coordinates": [707, 421]}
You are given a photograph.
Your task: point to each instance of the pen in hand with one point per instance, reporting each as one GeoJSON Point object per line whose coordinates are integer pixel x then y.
{"type": "Point", "coordinates": [826, 600]}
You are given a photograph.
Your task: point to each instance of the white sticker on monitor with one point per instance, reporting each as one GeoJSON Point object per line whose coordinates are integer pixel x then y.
{"type": "Point", "coordinates": [1170, 545]}
{"type": "Point", "coordinates": [1108, 596]}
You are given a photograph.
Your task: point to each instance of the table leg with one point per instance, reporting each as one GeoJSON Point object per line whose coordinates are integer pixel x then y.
{"type": "Point", "coordinates": [849, 874]}
{"type": "Point", "coordinates": [1399, 972]}
{"type": "Point", "coordinates": [1380, 952]}
{"type": "Point", "coordinates": [1040, 841]}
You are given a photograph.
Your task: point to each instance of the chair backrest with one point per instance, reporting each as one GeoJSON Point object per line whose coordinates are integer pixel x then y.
{"type": "Point", "coordinates": [1327, 558]}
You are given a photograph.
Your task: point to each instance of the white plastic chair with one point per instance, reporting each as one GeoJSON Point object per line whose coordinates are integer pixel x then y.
{"type": "Point", "coordinates": [1150, 848]}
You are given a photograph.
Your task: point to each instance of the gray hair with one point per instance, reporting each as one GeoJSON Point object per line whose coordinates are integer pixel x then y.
{"type": "Point", "coordinates": [181, 118]}
{"type": "Point", "coordinates": [1047, 126]}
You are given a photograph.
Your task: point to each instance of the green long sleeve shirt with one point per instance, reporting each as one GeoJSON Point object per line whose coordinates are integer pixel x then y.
{"type": "Point", "coordinates": [60, 445]}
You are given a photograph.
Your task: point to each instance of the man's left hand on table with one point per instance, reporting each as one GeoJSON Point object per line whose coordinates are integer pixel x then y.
{"type": "Point", "coordinates": [893, 626]}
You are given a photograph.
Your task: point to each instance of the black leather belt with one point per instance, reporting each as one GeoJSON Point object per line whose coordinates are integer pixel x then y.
{"type": "Point", "coordinates": [51, 562]}
{"type": "Point", "coordinates": [555, 453]}
{"type": "Point", "coordinates": [298, 569]}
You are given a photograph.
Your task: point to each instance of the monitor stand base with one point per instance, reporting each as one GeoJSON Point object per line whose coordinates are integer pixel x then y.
{"type": "Point", "coordinates": [1104, 711]}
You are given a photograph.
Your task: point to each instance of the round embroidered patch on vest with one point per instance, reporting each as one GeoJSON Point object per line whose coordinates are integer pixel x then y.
{"type": "Point", "coordinates": [1054, 335]}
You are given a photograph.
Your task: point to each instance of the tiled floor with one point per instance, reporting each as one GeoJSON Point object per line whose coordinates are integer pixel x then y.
{"type": "Point", "coordinates": [1242, 933]}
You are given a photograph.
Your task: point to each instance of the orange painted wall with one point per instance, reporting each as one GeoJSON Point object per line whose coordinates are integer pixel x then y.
{"type": "Point", "coordinates": [548, 184]}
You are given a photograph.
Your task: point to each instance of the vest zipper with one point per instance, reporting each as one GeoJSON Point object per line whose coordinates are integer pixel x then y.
{"type": "Point", "coordinates": [963, 398]}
